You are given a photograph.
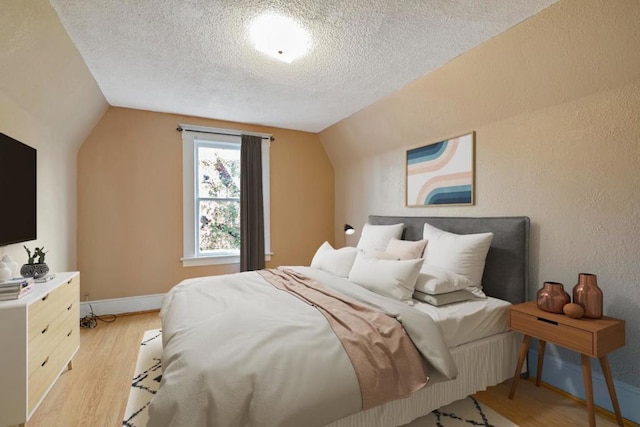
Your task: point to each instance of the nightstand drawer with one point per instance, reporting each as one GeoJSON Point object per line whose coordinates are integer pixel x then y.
{"type": "Point", "coordinates": [549, 330]}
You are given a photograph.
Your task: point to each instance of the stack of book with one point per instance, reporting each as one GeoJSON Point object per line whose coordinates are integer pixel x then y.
{"type": "Point", "coordinates": [15, 288]}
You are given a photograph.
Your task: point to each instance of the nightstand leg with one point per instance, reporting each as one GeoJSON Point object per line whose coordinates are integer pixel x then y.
{"type": "Point", "coordinates": [541, 347]}
{"type": "Point", "coordinates": [524, 347]}
{"type": "Point", "coordinates": [588, 389]}
{"type": "Point", "coordinates": [604, 362]}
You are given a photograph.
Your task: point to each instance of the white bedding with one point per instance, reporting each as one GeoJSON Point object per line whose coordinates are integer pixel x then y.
{"type": "Point", "coordinates": [468, 321]}
{"type": "Point", "coordinates": [239, 352]}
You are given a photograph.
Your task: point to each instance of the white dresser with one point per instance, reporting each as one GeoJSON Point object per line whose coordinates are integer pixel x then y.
{"type": "Point", "coordinates": [39, 335]}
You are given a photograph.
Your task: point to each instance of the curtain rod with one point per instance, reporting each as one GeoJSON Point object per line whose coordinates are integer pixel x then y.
{"type": "Point", "coordinates": [216, 131]}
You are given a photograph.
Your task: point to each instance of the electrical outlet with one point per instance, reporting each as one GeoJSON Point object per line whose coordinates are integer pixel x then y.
{"type": "Point", "coordinates": [86, 296]}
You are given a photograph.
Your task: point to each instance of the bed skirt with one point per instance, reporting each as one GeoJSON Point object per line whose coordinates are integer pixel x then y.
{"type": "Point", "coordinates": [481, 364]}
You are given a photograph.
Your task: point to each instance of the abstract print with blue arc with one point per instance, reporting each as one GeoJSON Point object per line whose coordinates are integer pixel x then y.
{"type": "Point", "coordinates": [441, 173]}
{"type": "Point", "coordinates": [456, 194]}
{"type": "Point", "coordinates": [427, 153]}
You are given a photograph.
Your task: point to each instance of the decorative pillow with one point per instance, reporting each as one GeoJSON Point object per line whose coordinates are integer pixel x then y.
{"type": "Point", "coordinates": [464, 254]}
{"type": "Point", "coordinates": [377, 237]}
{"type": "Point", "coordinates": [406, 249]}
{"type": "Point", "coordinates": [384, 255]}
{"type": "Point", "coordinates": [435, 281]}
{"type": "Point", "coordinates": [335, 261]}
{"type": "Point", "coordinates": [390, 278]}
{"type": "Point", "coordinates": [442, 299]}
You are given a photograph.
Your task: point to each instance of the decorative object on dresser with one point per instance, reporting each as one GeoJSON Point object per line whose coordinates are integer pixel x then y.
{"type": "Point", "coordinates": [587, 294]}
{"type": "Point", "coordinates": [441, 173]}
{"type": "Point", "coordinates": [40, 336]}
{"type": "Point", "coordinates": [5, 272]}
{"type": "Point", "coordinates": [9, 262]}
{"type": "Point", "coordinates": [32, 268]}
{"type": "Point", "coordinates": [15, 288]}
{"type": "Point", "coordinates": [589, 337]}
{"type": "Point", "coordinates": [552, 297]}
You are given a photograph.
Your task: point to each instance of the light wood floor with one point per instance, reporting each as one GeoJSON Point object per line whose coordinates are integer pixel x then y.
{"type": "Point", "coordinates": [95, 392]}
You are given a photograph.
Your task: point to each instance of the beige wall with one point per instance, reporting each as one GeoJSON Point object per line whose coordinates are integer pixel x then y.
{"type": "Point", "coordinates": [130, 202]}
{"type": "Point", "coordinates": [555, 105]}
{"type": "Point", "coordinates": [48, 100]}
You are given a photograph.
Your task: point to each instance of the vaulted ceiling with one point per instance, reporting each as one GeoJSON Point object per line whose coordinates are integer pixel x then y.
{"type": "Point", "coordinates": [194, 57]}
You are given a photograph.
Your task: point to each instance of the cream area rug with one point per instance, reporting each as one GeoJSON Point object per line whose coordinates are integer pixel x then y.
{"type": "Point", "coordinates": [148, 373]}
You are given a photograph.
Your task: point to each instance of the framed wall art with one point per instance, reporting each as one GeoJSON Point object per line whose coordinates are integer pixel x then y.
{"type": "Point", "coordinates": [441, 173]}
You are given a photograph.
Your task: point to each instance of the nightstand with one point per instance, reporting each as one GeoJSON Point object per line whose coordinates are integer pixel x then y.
{"type": "Point", "coordinates": [589, 337]}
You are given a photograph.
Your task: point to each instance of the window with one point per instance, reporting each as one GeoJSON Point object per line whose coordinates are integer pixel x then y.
{"type": "Point", "coordinates": [217, 198]}
{"type": "Point", "coordinates": [211, 196]}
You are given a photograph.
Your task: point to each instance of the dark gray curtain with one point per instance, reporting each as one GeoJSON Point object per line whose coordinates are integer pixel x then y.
{"type": "Point", "coordinates": [251, 209]}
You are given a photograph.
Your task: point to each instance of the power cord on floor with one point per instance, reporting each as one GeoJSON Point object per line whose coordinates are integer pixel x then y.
{"type": "Point", "coordinates": [91, 319]}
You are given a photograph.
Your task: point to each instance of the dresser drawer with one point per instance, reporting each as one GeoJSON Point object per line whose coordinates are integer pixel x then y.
{"type": "Point", "coordinates": [42, 313]}
{"type": "Point", "coordinates": [70, 290]}
{"type": "Point", "coordinates": [42, 345]}
{"type": "Point", "coordinates": [69, 338]}
{"type": "Point", "coordinates": [42, 377]}
{"type": "Point", "coordinates": [548, 330]}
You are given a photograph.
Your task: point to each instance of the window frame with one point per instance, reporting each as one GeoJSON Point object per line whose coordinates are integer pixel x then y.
{"type": "Point", "coordinates": [223, 137]}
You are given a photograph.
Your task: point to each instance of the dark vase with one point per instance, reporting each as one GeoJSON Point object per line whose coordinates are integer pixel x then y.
{"type": "Point", "coordinates": [552, 297]}
{"type": "Point", "coordinates": [587, 294]}
{"type": "Point", "coordinates": [34, 270]}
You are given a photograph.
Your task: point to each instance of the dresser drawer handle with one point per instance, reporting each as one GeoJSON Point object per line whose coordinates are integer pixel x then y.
{"type": "Point", "coordinates": [45, 362]}
{"type": "Point", "coordinates": [44, 298]}
{"type": "Point", "coordinates": [70, 331]}
{"type": "Point", "coordinates": [542, 319]}
{"type": "Point", "coordinates": [45, 330]}
{"type": "Point", "coordinates": [69, 308]}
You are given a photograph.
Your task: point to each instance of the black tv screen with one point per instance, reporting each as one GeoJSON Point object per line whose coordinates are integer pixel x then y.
{"type": "Point", "coordinates": [18, 195]}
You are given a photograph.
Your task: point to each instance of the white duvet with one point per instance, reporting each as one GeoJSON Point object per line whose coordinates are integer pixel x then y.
{"type": "Point", "coordinates": [239, 352]}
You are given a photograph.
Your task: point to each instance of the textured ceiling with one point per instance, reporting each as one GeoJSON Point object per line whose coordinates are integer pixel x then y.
{"type": "Point", "coordinates": [193, 57]}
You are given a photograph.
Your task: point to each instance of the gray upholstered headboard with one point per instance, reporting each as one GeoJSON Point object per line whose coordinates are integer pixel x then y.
{"type": "Point", "coordinates": [506, 272]}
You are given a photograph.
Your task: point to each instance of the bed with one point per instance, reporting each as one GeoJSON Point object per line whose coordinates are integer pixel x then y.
{"type": "Point", "coordinates": [297, 373]}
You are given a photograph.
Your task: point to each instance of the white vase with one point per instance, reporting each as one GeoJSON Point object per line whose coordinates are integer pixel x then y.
{"type": "Point", "coordinates": [11, 264]}
{"type": "Point", "coordinates": [5, 272]}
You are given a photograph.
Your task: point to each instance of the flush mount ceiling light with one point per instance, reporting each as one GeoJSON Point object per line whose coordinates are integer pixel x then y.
{"type": "Point", "coordinates": [279, 37]}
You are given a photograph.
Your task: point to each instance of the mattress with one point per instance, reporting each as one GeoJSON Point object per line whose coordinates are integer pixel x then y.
{"type": "Point", "coordinates": [468, 321]}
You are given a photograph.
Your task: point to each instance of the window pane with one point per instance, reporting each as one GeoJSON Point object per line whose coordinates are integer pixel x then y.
{"type": "Point", "coordinates": [218, 172]}
{"type": "Point", "coordinates": [219, 226]}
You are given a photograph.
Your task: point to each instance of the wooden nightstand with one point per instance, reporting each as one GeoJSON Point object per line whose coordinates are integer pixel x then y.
{"type": "Point", "coordinates": [589, 337]}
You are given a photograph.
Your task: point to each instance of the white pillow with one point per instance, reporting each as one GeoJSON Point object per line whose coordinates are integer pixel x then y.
{"type": "Point", "coordinates": [435, 281]}
{"type": "Point", "coordinates": [383, 255]}
{"type": "Point", "coordinates": [442, 299]}
{"type": "Point", "coordinates": [390, 278]}
{"type": "Point", "coordinates": [464, 254]}
{"type": "Point", "coordinates": [377, 237]}
{"type": "Point", "coordinates": [335, 261]}
{"type": "Point", "coordinates": [406, 249]}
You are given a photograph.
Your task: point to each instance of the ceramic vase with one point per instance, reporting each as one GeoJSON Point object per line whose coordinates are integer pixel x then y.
{"type": "Point", "coordinates": [34, 270]}
{"type": "Point", "coordinates": [588, 295]}
{"type": "Point", "coordinates": [552, 297]}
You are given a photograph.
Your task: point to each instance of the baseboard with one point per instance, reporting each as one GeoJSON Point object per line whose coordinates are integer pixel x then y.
{"type": "Point", "coordinates": [568, 377]}
{"type": "Point", "coordinates": [122, 305]}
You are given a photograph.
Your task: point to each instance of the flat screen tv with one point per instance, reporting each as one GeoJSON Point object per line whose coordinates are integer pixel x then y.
{"type": "Point", "coordinates": [18, 191]}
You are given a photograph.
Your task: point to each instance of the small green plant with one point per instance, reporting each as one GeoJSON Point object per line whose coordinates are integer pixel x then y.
{"type": "Point", "coordinates": [37, 253]}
